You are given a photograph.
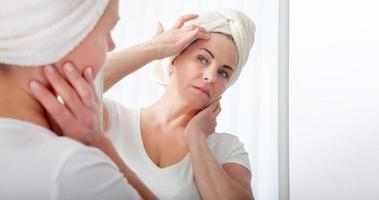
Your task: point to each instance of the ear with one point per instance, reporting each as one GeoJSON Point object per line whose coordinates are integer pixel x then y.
{"type": "Point", "coordinates": [171, 67]}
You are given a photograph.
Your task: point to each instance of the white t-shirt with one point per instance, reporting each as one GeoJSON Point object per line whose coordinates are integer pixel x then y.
{"type": "Point", "coordinates": [35, 164]}
{"type": "Point", "coordinates": [175, 181]}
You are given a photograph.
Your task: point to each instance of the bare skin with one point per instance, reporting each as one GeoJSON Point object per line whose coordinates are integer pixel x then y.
{"type": "Point", "coordinates": [185, 116]}
{"type": "Point", "coordinates": [78, 117]}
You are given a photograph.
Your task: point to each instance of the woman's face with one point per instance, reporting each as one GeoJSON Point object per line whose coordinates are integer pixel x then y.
{"type": "Point", "coordinates": [93, 49]}
{"type": "Point", "coordinates": [201, 73]}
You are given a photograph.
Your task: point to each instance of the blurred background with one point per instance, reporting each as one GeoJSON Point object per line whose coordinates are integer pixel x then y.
{"type": "Point", "coordinates": [306, 105]}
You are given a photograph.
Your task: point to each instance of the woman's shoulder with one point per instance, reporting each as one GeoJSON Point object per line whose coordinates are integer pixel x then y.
{"type": "Point", "coordinates": [227, 148]}
{"type": "Point", "coordinates": [119, 114]}
{"type": "Point", "coordinates": [222, 138]}
{"type": "Point", "coordinates": [116, 107]}
{"type": "Point", "coordinates": [221, 143]}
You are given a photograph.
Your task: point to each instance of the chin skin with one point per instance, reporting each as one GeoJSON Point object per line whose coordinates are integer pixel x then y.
{"type": "Point", "coordinates": [197, 103]}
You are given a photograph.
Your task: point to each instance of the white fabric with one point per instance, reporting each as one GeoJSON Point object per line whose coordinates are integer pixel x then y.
{"type": "Point", "coordinates": [39, 32]}
{"type": "Point", "coordinates": [175, 181]}
{"type": "Point", "coordinates": [38, 165]}
{"type": "Point", "coordinates": [228, 21]}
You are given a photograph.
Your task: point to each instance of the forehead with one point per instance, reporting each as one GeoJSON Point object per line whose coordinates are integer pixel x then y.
{"type": "Point", "coordinates": [222, 47]}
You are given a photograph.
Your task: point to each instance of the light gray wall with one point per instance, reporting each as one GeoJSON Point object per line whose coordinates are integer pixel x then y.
{"type": "Point", "coordinates": [334, 100]}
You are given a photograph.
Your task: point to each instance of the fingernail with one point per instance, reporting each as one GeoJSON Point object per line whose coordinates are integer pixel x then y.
{"type": "Point", "coordinates": [68, 66]}
{"type": "Point", "coordinates": [50, 69]}
{"type": "Point", "coordinates": [34, 85]}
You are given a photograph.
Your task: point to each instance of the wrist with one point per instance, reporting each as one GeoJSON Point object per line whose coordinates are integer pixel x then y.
{"type": "Point", "coordinates": [152, 49]}
{"type": "Point", "coordinates": [99, 141]}
{"type": "Point", "coordinates": [195, 135]}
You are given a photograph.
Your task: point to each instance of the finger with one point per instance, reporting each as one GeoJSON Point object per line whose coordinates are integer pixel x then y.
{"type": "Point", "coordinates": [215, 106]}
{"type": "Point", "coordinates": [80, 85]}
{"type": "Point", "coordinates": [193, 35]}
{"type": "Point", "coordinates": [63, 89]}
{"type": "Point", "coordinates": [192, 27]}
{"type": "Point", "coordinates": [88, 75]}
{"type": "Point", "coordinates": [212, 106]}
{"type": "Point", "coordinates": [202, 32]}
{"type": "Point", "coordinates": [54, 126]}
{"type": "Point", "coordinates": [159, 29]}
{"type": "Point", "coordinates": [183, 19]}
{"type": "Point", "coordinates": [60, 114]}
{"type": "Point", "coordinates": [218, 110]}
{"type": "Point", "coordinates": [214, 102]}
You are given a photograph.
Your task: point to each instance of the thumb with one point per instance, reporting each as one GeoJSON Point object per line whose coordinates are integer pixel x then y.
{"type": "Point", "coordinates": [159, 29]}
{"type": "Point", "coordinates": [213, 105]}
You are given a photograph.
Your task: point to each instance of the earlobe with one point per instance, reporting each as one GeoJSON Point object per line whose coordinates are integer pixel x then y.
{"type": "Point", "coordinates": [171, 67]}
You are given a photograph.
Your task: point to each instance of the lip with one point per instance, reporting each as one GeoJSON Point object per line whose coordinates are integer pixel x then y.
{"type": "Point", "coordinates": [202, 89]}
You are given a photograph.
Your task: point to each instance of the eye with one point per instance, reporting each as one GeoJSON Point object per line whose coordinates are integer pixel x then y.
{"type": "Point", "coordinates": [224, 74]}
{"type": "Point", "coordinates": [202, 60]}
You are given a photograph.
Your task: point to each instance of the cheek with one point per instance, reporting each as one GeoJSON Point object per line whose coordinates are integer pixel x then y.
{"type": "Point", "coordinates": [219, 91]}
{"type": "Point", "coordinates": [97, 55]}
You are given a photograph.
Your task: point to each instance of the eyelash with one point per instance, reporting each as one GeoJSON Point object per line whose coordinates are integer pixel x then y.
{"type": "Point", "coordinates": [223, 73]}
{"type": "Point", "coordinates": [201, 58]}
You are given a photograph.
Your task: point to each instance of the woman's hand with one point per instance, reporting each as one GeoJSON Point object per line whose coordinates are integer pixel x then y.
{"type": "Point", "coordinates": [204, 122]}
{"type": "Point", "coordinates": [77, 117]}
{"type": "Point", "coordinates": [173, 41]}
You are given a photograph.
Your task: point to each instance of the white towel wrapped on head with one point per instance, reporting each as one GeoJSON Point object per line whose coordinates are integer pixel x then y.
{"type": "Point", "coordinates": [228, 21]}
{"type": "Point", "coordinates": [40, 32]}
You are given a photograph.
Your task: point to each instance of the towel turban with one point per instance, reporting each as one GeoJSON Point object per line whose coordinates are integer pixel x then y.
{"type": "Point", "coordinates": [40, 32]}
{"type": "Point", "coordinates": [228, 21]}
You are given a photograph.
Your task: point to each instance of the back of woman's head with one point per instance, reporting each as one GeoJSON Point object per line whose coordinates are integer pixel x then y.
{"type": "Point", "coordinates": [40, 32]}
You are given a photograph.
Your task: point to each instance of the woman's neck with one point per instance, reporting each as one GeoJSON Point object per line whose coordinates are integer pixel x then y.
{"type": "Point", "coordinates": [16, 100]}
{"type": "Point", "coordinates": [170, 112]}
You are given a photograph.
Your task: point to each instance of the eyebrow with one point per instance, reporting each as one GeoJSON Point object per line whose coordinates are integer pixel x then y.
{"type": "Point", "coordinates": [211, 54]}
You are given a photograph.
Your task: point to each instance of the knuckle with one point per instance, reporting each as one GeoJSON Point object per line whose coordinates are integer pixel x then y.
{"type": "Point", "coordinates": [90, 121]}
{"type": "Point", "coordinates": [57, 110]}
{"type": "Point", "coordinates": [87, 94]}
{"type": "Point", "coordinates": [67, 95]}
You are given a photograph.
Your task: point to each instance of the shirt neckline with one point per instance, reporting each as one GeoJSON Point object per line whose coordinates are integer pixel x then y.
{"type": "Point", "coordinates": [145, 155]}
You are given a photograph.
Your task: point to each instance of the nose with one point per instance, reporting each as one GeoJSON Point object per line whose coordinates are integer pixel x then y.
{"type": "Point", "coordinates": [111, 44]}
{"type": "Point", "coordinates": [210, 74]}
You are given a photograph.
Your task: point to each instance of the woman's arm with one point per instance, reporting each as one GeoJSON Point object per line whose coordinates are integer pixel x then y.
{"type": "Point", "coordinates": [124, 62]}
{"type": "Point", "coordinates": [164, 44]}
{"type": "Point", "coordinates": [230, 181]}
{"type": "Point", "coordinates": [120, 64]}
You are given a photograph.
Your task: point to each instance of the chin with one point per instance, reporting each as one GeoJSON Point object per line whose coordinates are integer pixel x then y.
{"type": "Point", "coordinates": [197, 103]}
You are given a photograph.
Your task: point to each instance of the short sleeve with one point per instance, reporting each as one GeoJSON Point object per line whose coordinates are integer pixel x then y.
{"type": "Point", "coordinates": [237, 154]}
{"type": "Point", "coordinates": [113, 117]}
{"type": "Point", "coordinates": [90, 174]}
{"type": "Point", "coordinates": [116, 118]}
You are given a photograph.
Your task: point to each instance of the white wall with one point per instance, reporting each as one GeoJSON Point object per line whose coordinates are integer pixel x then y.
{"type": "Point", "coordinates": [334, 100]}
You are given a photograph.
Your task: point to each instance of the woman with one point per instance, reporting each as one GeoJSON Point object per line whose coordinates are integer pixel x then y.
{"type": "Point", "coordinates": [173, 140]}
{"type": "Point", "coordinates": [36, 164]}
